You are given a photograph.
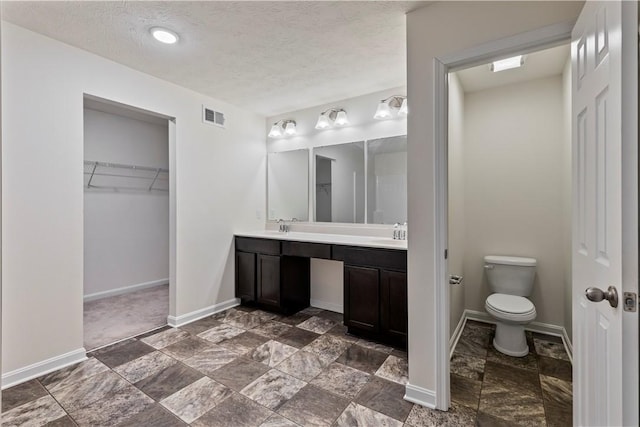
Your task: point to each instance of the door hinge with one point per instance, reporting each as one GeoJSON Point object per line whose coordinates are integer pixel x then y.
{"type": "Point", "coordinates": [446, 253]}
{"type": "Point", "coordinates": [629, 301]}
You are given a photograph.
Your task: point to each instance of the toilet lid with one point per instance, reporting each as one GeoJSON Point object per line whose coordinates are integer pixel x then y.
{"type": "Point", "coordinates": [510, 304]}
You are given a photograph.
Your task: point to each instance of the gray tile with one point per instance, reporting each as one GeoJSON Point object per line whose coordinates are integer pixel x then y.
{"type": "Point", "coordinates": [145, 366]}
{"type": "Point", "coordinates": [244, 343]}
{"type": "Point", "coordinates": [297, 337]}
{"type": "Point", "coordinates": [245, 308]}
{"type": "Point", "coordinates": [238, 373]}
{"type": "Point", "coordinates": [155, 416]}
{"type": "Point", "coordinates": [114, 408]}
{"type": "Point", "coordinates": [211, 359]}
{"type": "Point", "coordinates": [243, 320]}
{"type": "Point", "coordinates": [328, 346]}
{"type": "Point", "coordinates": [236, 411]}
{"type": "Point", "coordinates": [168, 381]}
{"type": "Point", "coordinates": [65, 421]}
{"type": "Point", "coordinates": [394, 369]}
{"type": "Point", "coordinates": [545, 337]}
{"type": "Point", "coordinates": [271, 329]}
{"type": "Point", "coordinates": [313, 406]}
{"type": "Point", "coordinates": [72, 374]}
{"type": "Point", "coordinates": [485, 420]}
{"type": "Point", "coordinates": [385, 397]}
{"type": "Point", "coordinates": [272, 353]}
{"type": "Point", "coordinates": [331, 315]}
{"type": "Point", "coordinates": [374, 346]}
{"type": "Point", "coordinates": [294, 319]}
{"type": "Point", "coordinates": [194, 328]}
{"type": "Point", "coordinates": [527, 362]}
{"type": "Point", "coordinates": [311, 311]}
{"type": "Point", "coordinates": [558, 401]}
{"type": "Point", "coordinates": [550, 349]}
{"type": "Point", "coordinates": [517, 380]}
{"type": "Point", "coordinates": [220, 333]}
{"type": "Point", "coordinates": [340, 331]}
{"type": "Point", "coordinates": [456, 416]}
{"type": "Point", "coordinates": [196, 399]}
{"type": "Point", "coordinates": [153, 332]}
{"type": "Point", "coordinates": [36, 412]}
{"type": "Point", "coordinates": [357, 415]}
{"type": "Point", "coordinates": [89, 390]}
{"type": "Point", "coordinates": [304, 365]}
{"type": "Point", "coordinates": [558, 368]}
{"type": "Point", "coordinates": [467, 366]}
{"type": "Point", "coordinates": [165, 338]}
{"type": "Point", "coordinates": [364, 359]}
{"type": "Point", "coordinates": [273, 389]}
{"type": "Point", "coordinates": [21, 394]}
{"type": "Point", "coordinates": [341, 380]}
{"type": "Point", "coordinates": [122, 352]}
{"type": "Point", "coordinates": [277, 420]}
{"type": "Point", "coordinates": [465, 391]}
{"type": "Point", "coordinates": [472, 346]}
{"type": "Point", "coordinates": [317, 324]}
{"type": "Point", "coordinates": [187, 347]}
{"type": "Point", "coordinates": [263, 316]}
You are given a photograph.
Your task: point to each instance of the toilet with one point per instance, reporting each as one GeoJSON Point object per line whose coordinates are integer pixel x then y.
{"type": "Point", "coordinates": [511, 281]}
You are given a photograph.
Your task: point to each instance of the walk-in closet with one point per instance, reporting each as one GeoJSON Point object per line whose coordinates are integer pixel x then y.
{"type": "Point", "coordinates": [126, 222]}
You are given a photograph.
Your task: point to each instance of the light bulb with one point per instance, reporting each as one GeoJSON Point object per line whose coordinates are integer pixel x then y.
{"type": "Point", "coordinates": [341, 119]}
{"type": "Point", "coordinates": [290, 128]}
{"type": "Point", "coordinates": [164, 35]}
{"type": "Point", "coordinates": [404, 109]}
{"type": "Point", "coordinates": [383, 111]}
{"type": "Point", "coordinates": [323, 122]}
{"type": "Point", "coordinates": [276, 131]}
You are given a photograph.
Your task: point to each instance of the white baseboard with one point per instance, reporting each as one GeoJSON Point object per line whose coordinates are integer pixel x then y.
{"type": "Point", "coordinates": [542, 328]}
{"type": "Point", "coordinates": [125, 290]}
{"type": "Point", "coordinates": [338, 308]}
{"type": "Point", "coordinates": [44, 367]}
{"type": "Point", "coordinates": [453, 341]}
{"type": "Point", "coordinates": [177, 321]}
{"type": "Point", "coordinates": [420, 396]}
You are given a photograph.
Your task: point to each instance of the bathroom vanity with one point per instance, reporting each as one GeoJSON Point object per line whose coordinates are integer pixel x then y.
{"type": "Point", "coordinates": [272, 273]}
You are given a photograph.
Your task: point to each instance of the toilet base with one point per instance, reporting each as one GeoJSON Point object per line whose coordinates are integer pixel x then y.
{"type": "Point", "coordinates": [511, 340]}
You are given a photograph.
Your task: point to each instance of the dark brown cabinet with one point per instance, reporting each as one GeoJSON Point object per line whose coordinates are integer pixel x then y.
{"type": "Point", "coordinates": [393, 306]}
{"type": "Point", "coordinates": [268, 280]}
{"type": "Point", "coordinates": [246, 276]}
{"type": "Point", "coordinates": [361, 299]}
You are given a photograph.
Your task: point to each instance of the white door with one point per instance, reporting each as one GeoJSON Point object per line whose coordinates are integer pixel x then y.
{"type": "Point", "coordinates": [604, 222]}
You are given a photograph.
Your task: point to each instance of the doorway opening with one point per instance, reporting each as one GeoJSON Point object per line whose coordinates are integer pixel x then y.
{"type": "Point", "coordinates": [509, 212]}
{"type": "Point", "coordinates": [126, 222]}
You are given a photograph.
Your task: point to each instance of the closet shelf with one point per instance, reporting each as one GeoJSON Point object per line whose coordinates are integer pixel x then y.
{"type": "Point", "coordinates": [117, 176]}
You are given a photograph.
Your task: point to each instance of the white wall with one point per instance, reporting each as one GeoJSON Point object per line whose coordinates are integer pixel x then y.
{"type": "Point", "coordinates": [219, 175]}
{"type": "Point", "coordinates": [514, 165]}
{"type": "Point", "coordinates": [456, 199]}
{"type": "Point", "coordinates": [439, 29]}
{"type": "Point", "coordinates": [126, 234]}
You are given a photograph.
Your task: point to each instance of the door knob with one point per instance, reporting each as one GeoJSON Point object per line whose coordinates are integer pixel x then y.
{"type": "Point", "coordinates": [597, 295]}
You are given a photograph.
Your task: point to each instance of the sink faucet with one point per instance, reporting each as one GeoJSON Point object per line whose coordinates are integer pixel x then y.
{"type": "Point", "coordinates": [283, 226]}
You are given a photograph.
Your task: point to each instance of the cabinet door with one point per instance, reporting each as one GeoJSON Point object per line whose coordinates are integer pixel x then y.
{"type": "Point", "coordinates": [268, 280]}
{"type": "Point", "coordinates": [393, 302]}
{"type": "Point", "coordinates": [361, 298]}
{"type": "Point", "coordinates": [246, 276]}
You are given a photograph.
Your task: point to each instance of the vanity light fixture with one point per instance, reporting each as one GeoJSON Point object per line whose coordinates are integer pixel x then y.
{"type": "Point", "coordinates": [283, 127]}
{"type": "Point", "coordinates": [387, 105]}
{"type": "Point", "coordinates": [164, 35]}
{"type": "Point", "coordinates": [332, 117]}
{"type": "Point", "coordinates": [507, 63]}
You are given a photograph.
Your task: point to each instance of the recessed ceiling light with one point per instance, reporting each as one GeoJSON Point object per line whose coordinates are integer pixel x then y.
{"type": "Point", "coordinates": [164, 35]}
{"type": "Point", "coordinates": [507, 64]}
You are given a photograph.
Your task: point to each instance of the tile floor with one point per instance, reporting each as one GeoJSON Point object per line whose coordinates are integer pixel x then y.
{"type": "Point", "coordinates": [247, 367]}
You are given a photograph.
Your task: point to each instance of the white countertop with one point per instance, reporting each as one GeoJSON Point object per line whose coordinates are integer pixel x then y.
{"type": "Point", "coordinates": [337, 239]}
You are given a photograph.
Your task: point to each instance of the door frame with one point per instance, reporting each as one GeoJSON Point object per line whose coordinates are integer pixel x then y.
{"type": "Point", "coordinates": [531, 41]}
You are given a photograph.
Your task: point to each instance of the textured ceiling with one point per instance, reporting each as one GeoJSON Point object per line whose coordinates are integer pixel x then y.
{"type": "Point", "coordinates": [268, 57]}
{"type": "Point", "coordinates": [544, 63]}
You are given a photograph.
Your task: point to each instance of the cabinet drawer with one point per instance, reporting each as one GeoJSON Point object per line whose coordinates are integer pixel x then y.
{"type": "Point", "coordinates": [261, 246]}
{"type": "Point", "coordinates": [371, 257]}
{"type": "Point", "coordinates": [307, 250]}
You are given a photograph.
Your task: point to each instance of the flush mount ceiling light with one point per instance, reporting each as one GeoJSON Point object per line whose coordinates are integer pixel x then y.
{"type": "Point", "coordinates": [283, 127]}
{"type": "Point", "coordinates": [332, 117]}
{"type": "Point", "coordinates": [507, 63]}
{"type": "Point", "coordinates": [164, 35]}
{"type": "Point", "coordinates": [387, 107]}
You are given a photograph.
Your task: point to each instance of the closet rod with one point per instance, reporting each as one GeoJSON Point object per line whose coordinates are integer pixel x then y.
{"type": "Point", "coordinates": [119, 165]}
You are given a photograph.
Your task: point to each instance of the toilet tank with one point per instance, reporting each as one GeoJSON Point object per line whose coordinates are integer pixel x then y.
{"type": "Point", "coordinates": [510, 275]}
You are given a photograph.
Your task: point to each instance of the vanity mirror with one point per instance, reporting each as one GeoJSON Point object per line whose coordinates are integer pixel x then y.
{"type": "Point", "coordinates": [339, 183]}
{"type": "Point", "coordinates": [288, 185]}
{"type": "Point", "coordinates": [387, 180]}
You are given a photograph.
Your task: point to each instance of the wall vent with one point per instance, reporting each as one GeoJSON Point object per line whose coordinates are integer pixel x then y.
{"type": "Point", "coordinates": [212, 117]}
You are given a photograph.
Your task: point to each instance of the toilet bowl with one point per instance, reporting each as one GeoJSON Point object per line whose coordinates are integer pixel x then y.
{"type": "Point", "coordinates": [511, 280]}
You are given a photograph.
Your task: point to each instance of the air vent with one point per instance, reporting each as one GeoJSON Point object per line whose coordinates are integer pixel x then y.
{"type": "Point", "coordinates": [212, 117]}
